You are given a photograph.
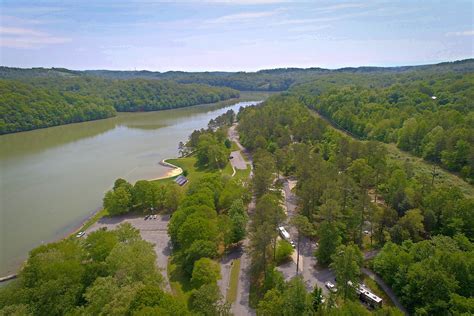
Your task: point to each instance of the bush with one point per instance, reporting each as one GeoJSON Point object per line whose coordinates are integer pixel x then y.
{"type": "Point", "coordinates": [283, 251]}
{"type": "Point", "coordinates": [206, 271]}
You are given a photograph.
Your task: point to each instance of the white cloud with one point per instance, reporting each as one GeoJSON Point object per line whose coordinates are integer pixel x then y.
{"type": "Point", "coordinates": [238, 2]}
{"type": "Point", "coordinates": [320, 19]}
{"type": "Point", "coordinates": [18, 37]}
{"type": "Point", "coordinates": [245, 16]}
{"type": "Point", "coordinates": [32, 42]}
{"type": "Point", "coordinates": [5, 30]}
{"type": "Point", "coordinates": [341, 6]}
{"type": "Point", "coordinates": [463, 33]}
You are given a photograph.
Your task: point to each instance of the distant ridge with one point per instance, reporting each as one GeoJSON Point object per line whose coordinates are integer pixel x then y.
{"type": "Point", "coordinates": [278, 79]}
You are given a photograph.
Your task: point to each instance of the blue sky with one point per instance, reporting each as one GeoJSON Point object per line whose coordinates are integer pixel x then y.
{"type": "Point", "coordinates": [196, 35]}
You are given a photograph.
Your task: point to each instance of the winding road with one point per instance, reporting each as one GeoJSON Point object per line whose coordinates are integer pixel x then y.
{"type": "Point", "coordinates": [241, 306]}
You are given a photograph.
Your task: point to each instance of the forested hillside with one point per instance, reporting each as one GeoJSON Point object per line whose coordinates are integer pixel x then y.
{"type": "Point", "coordinates": [25, 107]}
{"type": "Point", "coordinates": [430, 115]}
{"type": "Point", "coordinates": [264, 80]}
{"type": "Point", "coordinates": [352, 198]}
{"type": "Point", "coordinates": [42, 102]}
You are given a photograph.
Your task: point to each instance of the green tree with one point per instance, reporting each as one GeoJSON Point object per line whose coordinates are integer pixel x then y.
{"type": "Point", "coordinates": [100, 243]}
{"type": "Point", "coordinates": [412, 223]}
{"type": "Point", "coordinates": [198, 250]}
{"type": "Point", "coordinates": [196, 228]}
{"type": "Point", "coordinates": [346, 262]}
{"type": "Point", "coordinates": [205, 271]}
{"type": "Point", "coordinates": [264, 168]}
{"type": "Point", "coordinates": [133, 262]}
{"type": "Point", "coordinates": [207, 301]}
{"type": "Point", "coordinates": [283, 251]}
{"type": "Point", "coordinates": [304, 228]}
{"type": "Point", "coordinates": [329, 240]}
{"type": "Point", "coordinates": [239, 218]}
{"type": "Point", "coordinates": [118, 201]}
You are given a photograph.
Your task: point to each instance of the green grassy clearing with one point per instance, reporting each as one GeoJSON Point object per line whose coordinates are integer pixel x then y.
{"type": "Point", "coordinates": [234, 281]}
{"type": "Point", "coordinates": [195, 172]}
{"type": "Point", "coordinates": [421, 166]}
{"type": "Point", "coordinates": [243, 175]}
{"type": "Point", "coordinates": [234, 147]}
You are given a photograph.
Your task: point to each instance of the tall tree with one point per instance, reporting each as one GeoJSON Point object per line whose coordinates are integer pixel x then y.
{"type": "Point", "coordinates": [346, 262]}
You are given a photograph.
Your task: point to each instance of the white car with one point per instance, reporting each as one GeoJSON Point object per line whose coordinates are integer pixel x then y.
{"type": "Point", "coordinates": [331, 287]}
{"type": "Point", "coordinates": [155, 216]}
{"type": "Point", "coordinates": [80, 234]}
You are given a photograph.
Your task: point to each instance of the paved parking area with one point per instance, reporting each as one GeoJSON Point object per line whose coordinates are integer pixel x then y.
{"type": "Point", "coordinates": [151, 230]}
{"type": "Point", "coordinates": [237, 160]}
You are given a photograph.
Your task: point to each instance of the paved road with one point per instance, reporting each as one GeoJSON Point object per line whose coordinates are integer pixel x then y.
{"type": "Point", "coordinates": [386, 288]}
{"type": "Point", "coordinates": [371, 254]}
{"type": "Point", "coordinates": [153, 231]}
{"type": "Point", "coordinates": [226, 266]}
{"type": "Point", "coordinates": [237, 160]}
{"type": "Point", "coordinates": [312, 275]}
{"type": "Point", "coordinates": [241, 305]}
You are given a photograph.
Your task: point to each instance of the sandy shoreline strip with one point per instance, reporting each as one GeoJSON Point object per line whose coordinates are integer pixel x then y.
{"type": "Point", "coordinates": [174, 172]}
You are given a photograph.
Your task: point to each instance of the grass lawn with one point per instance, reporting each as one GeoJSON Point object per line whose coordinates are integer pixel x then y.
{"type": "Point", "coordinates": [234, 147]}
{"type": "Point", "coordinates": [243, 175]}
{"type": "Point", "coordinates": [194, 173]}
{"type": "Point", "coordinates": [234, 281]}
{"type": "Point", "coordinates": [228, 169]}
{"type": "Point", "coordinates": [377, 290]}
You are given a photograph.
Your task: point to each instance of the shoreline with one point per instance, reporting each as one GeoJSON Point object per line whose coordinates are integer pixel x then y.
{"type": "Point", "coordinates": [173, 172]}
{"type": "Point", "coordinates": [90, 220]}
{"type": "Point", "coordinates": [94, 215]}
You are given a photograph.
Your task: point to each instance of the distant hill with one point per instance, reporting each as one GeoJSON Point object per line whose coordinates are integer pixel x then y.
{"type": "Point", "coordinates": [56, 97]}
{"type": "Point", "coordinates": [279, 79]}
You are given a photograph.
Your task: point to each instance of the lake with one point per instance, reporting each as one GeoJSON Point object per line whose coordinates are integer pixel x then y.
{"type": "Point", "coordinates": [52, 179]}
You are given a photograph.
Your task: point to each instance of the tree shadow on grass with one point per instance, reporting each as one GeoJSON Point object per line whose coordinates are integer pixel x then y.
{"type": "Point", "coordinates": [179, 276]}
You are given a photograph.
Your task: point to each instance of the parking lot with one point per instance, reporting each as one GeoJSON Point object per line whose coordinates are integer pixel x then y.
{"type": "Point", "coordinates": [151, 230]}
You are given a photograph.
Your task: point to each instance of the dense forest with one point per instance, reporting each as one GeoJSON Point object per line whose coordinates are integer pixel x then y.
{"type": "Point", "coordinates": [25, 107]}
{"type": "Point", "coordinates": [429, 115]}
{"type": "Point", "coordinates": [263, 80]}
{"type": "Point", "coordinates": [42, 102]}
{"type": "Point", "coordinates": [346, 187]}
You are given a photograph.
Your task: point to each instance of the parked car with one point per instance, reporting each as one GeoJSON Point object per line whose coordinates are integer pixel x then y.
{"type": "Point", "coordinates": [146, 217]}
{"type": "Point", "coordinates": [80, 234]}
{"type": "Point", "coordinates": [155, 216]}
{"type": "Point", "coordinates": [331, 287]}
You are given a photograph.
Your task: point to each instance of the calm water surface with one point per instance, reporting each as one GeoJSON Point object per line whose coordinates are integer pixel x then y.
{"type": "Point", "coordinates": [52, 179]}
